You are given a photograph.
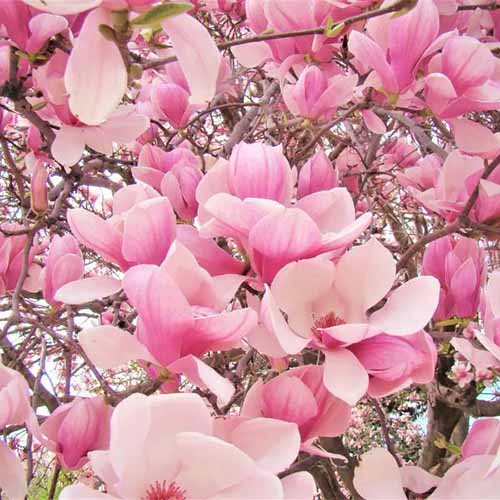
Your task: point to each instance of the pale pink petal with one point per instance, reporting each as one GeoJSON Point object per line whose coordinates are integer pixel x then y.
{"type": "Point", "coordinates": [197, 54]}
{"type": "Point", "coordinates": [109, 347]}
{"type": "Point", "coordinates": [87, 290]}
{"type": "Point", "coordinates": [417, 479]}
{"type": "Point", "coordinates": [203, 376]}
{"type": "Point", "coordinates": [68, 146]}
{"type": "Point", "coordinates": [299, 486]}
{"type": "Point", "coordinates": [95, 77]}
{"type": "Point", "coordinates": [97, 234]}
{"type": "Point", "coordinates": [43, 27]}
{"type": "Point", "coordinates": [273, 444]}
{"type": "Point", "coordinates": [252, 54]}
{"type": "Point", "coordinates": [209, 465]}
{"type": "Point", "coordinates": [344, 376]}
{"type": "Point", "coordinates": [373, 122]}
{"type": "Point", "coordinates": [63, 7]}
{"type": "Point", "coordinates": [409, 308]}
{"type": "Point", "coordinates": [299, 284]}
{"type": "Point", "coordinates": [259, 484]}
{"type": "Point", "coordinates": [409, 37]}
{"type": "Point", "coordinates": [483, 438]}
{"type": "Point", "coordinates": [83, 492]}
{"type": "Point", "coordinates": [377, 476]}
{"type": "Point", "coordinates": [364, 276]}
{"type": "Point", "coordinates": [372, 56]}
{"type": "Point", "coordinates": [272, 318]}
{"type": "Point", "coordinates": [479, 358]}
{"type": "Point", "coordinates": [125, 124]}
{"type": "Point", "coordinates": [492, 293]}
{"type": "Point", "coordinates": [220, 332]}
{"type": "Point", "coordinates": [474, 138]}
{"type": "Point", "coordinates": [332, 210]}
{"type": "Point", "coordinates": [12, 474]}
{"type": "Point", "coordinates": [261, 339]}
{"type": "Point", "coordinates": [148, 232]}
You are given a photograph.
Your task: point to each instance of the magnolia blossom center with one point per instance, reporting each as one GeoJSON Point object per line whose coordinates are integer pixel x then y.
{"type": "Point", "coordinates": [327, 321]}
{"type": "Point", "coordinates": [162, 491]}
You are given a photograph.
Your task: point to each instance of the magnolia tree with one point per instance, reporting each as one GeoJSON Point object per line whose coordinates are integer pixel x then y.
{"type": "Point", "coordinates": [248, 249]}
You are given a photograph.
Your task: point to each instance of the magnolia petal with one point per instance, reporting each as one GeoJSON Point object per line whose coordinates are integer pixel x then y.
{"type": "Point", "coordinates": [96, 76]}
{"type": "Point", "coordinates": [273, 444]}
{"type": "Point", "coordinates": [87, 290]}
{"type": "Point", "coordinates": [12, 474]}
{"type": "Point", "coordinates": [409, 308]}
{"type": "Point", "coordinates": [197, 54]}
{"type": "Point", "coordinates": [344, 376]}
{"type": "Point", "coordinates": [63, 7]}
{"type": "Point", "coordinates": [109, 347]}
{"type": "Point", "coordinates": [377, 476]}
{"type": "Point", "coordinates": [299, 486]}
{"type": "Point", "coordinates": [205, 377]}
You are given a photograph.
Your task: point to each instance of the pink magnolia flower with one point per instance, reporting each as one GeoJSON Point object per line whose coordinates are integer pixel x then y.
{"type": "Point", "coordinates": [63, 7]}
{"type": "Point", "coordinates": [28, 29]}
{"type": "Point", "coordinates": [179, 186]}
{"type": "Point", "coordinates": [64, 264]}
{"type": "Point", "coordinates": [457, 85]}
{"type": "Point", "coordinates": [317, 97]}
{"type": "Point", "coordinates": [459, 265]}
{"type": "Point", "coordinates": [253, 171]}
{"type": "Point", "coordinates": [299, 396]}
{"type": "Point", "coordinates": [77, 428]}
{"type": "Point", "coordinates": [171, 102]}
{"type": "Point", "coordinates": [328, 305]}
{"type": "Point", "coordinates": [378, 476]}
{"type": "Point", "coordinates": [11, 258]}
{"type": "Point", "coordinates": [317, 174]}
{"type": "Point", "coordinates": [15, 409]}
{"type": "Point", "coordinates": [274, 235]}
{"type": "Point", "coordinates": [411, 38]}
{"type": "Point", "coordinates": [424, 175]}
{"type": "Point", "coordinates": [140, 231]}
{"type": "Point", "coordinates": [187, 460]}
{"type": "Point", "coordinates": [154, 163]}
{"type": "Point", "coordinates": [456, 182]}
{"type": "Point", "coordinates": [182, 315]}
{"type": "Point", "coordinates": [175, 173]}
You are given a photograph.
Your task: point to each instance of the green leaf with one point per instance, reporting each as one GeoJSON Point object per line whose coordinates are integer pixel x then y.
{"type": "Point", "coordinates": [157, 14]}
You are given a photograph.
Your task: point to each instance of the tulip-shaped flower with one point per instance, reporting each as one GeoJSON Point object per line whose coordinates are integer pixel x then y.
{"type": "Point", "coordinates": [423, 175]}
{"type": "Point", "coordinates": [317, 174]}
{"type": "Point", "coordinates": [171, 102]}
{"type": "Point", "coordinates": [328, 305]}
{"type": "Point", "coordinates": [77, 428]}
{"type": "Point", "coordinates": [183, 458]}
{"type": "Point", "coordinates": [454, 186]}
{"type": "Point", "coordinates": [15, 409]}
{"type": "Point", "coordinates": [317, 97]}
{"type": "Point", "coordinates": [299, 396]}
{"type": "Point", "coordinates": [11, 259]}
{"type": "Point", "coordinates": [64, 264]}
{"type": "Point", "coordinates": [154, 163]}
{"type": "Point", "coordinates": [253, 171]}
{"type": "Point", "coordinates": [274, 235]}
{"type": "Point", "coordinates": [459, 265]}
{"type": "Point", "coordinates": [461, 83]}
{"type": "Point", "coordinates": [395, 61]}
{"type": "Point", "coordinates": [140, 231]}
{"type": "Point", "coordinates": [182, 316]}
